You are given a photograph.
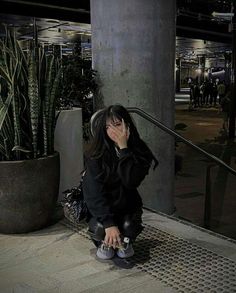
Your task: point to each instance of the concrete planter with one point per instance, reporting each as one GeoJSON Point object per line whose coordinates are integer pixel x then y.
{"type": "Point", "coordinates": [28, 193]}
{"type": "Point", "coordinates": [69, 143]}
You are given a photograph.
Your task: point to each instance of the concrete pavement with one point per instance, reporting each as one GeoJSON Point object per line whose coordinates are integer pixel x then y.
{"type": "Point", "coordinates": [168, 252]}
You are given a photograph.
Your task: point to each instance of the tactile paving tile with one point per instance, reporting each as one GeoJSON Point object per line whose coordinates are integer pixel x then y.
{"type": "Point", "coordinates": [178, 263]}
{"type": "Point", "coordinates": [184, 266]}
{"type": "Point", "coordinates": [80, 228]}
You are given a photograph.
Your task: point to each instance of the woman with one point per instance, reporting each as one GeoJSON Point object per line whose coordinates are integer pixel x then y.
{"type": "Point", "coordinates": [116, 164]}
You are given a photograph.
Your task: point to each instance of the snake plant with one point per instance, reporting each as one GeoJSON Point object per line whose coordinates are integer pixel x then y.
{"type": "Point", "coordinates": [28, 92]}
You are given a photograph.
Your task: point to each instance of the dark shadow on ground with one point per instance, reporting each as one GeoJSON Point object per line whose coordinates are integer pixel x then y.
{"type": "Point", "coordinates": [142, 249]}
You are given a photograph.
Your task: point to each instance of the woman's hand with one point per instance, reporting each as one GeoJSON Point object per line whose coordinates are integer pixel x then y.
{"type": "Point", "coordinates": [120, 135]}
{"type": "Point", "coordinates": [112, 237]}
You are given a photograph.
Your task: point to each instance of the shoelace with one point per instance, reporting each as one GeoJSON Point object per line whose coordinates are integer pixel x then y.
{"type": "Point", "coordinates": [105, 247]}
{"type": "Point", "coordinates": [121, 247]}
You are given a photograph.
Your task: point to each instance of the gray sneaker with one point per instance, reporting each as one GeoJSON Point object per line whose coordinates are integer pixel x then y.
{"type": "Point", "coordinates": [105, 252]}
{"type": "Point", "coordinates": [125, 252]}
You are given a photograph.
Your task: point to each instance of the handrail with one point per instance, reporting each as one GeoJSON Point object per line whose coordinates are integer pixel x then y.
{"type": "Point", "coordinates": [181, 138]}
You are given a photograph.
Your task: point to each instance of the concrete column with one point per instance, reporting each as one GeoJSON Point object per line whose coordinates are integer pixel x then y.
{"type": "Point", "coordinates": [133, 50]}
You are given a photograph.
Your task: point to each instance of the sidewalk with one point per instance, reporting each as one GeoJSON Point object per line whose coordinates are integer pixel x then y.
{"type": "Point", "coordinates": [171, 256]}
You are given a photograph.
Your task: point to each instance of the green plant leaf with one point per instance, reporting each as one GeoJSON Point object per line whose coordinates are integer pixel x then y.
{"type": "Point", "coordinates": [4, 110]}
{"type": "Point", "coordinates": [2, 149]}
{"type": "Point", "coordinates": [21, 149]}
{"type": "Point", "coordinates": [5, 75]}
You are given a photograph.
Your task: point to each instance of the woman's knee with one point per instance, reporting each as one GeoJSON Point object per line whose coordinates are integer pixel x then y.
{"type": "Point", "coordinates": [96, 230]}
{"type": "Point", "coordinates": [131, 227]}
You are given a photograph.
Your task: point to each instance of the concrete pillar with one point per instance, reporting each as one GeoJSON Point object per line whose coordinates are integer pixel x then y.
{"type": "Point", "coordinates": [133, 50]}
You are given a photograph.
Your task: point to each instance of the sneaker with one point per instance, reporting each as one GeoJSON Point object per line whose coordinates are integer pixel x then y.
{"type": "Point", "coordinates": [125, 252]}
{"type": "Point", "coordinates": [105, 252]}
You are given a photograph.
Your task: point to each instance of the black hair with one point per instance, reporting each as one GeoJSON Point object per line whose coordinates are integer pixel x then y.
{"type": "Point", "coordinates": [102, 147]}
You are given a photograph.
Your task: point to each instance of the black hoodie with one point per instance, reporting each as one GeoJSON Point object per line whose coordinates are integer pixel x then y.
{"type": "Point", "coordinates": [118, 195]}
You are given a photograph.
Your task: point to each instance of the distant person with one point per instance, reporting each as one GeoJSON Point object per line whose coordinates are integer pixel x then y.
{"type": "Point", "coordinates": [214, 94]}
{"type": "Point", "coordinates": [225, 107]}
{"type": "Point", "coordinates": [206, 93]}
{"type": "Point", "coordinates": [191, 88]}
{"type": "Point", "coordinates": [189, 81]}
{"type": "Point", "coordinates": [221, 90]}
{"type": "Point", "coordinates": [196, 95]}
{"type": "Point", "coordinates": [202, 98]}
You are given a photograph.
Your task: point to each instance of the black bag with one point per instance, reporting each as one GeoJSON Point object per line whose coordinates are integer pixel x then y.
{"type": "Point", "coordinates": [74, 206]}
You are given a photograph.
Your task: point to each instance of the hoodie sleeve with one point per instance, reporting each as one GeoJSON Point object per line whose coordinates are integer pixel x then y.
{"type": "Point", "coordinates": [95, 194]}
{"type": "Point", "coordinates": [133, 168]}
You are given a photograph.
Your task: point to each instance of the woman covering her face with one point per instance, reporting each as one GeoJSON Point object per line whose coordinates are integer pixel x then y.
{"type": "Point", "coordinates": [116, 164]}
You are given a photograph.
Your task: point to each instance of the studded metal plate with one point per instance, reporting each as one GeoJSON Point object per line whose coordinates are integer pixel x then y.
{"type": "Point", "coordinates": [178, 263]}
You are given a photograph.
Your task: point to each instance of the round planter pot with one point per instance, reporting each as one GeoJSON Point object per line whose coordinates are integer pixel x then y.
{"type": "Point", "coordinates": [28, 193]}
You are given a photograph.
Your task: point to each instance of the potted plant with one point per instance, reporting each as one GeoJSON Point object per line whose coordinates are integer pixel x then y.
{"type": "Point", "coordinates": [29, 166]}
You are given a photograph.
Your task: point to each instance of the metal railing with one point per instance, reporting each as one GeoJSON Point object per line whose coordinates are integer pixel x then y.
{"type": "Point", "coordinates": [207, 206]}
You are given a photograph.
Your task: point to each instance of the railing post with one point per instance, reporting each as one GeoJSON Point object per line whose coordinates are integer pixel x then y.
{"type": "Point", "coordinates": [207, 206]}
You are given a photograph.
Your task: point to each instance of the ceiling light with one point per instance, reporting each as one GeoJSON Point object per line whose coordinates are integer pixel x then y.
{"type": "Point", "coordinates": [226, 16]}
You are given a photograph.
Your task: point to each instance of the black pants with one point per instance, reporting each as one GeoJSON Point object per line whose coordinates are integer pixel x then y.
{"type": "Point", "coordinates": [129, 225]}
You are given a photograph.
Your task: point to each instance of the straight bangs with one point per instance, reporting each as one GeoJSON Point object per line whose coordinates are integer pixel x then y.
{"type": "Point", "coordinates": [113, 115]}
{"type": "Point", "coordinates": [118, 112]}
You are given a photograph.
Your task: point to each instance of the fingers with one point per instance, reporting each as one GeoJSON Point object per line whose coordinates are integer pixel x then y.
{"type": "Point", "coordinates": [115, 133]}
{"type": "Point", "coordinates": [127, 133]}
{"type": "Point", "coordinates": [112, 238]}
{"type": "Point", "coordinates": [113, 241]}
{"type": "Point", "coordinates": [119, 241]}
{"type": "Point", "coordinates": [107, 241]}
{"type": "Point", "coordinates": [120, 132]}
{"type": "Point", "coordinates": [123, 127]}
{"type": "Point", "coordinates": [114, 136]}
{"type": "Point", "coordinates": [115, 129]}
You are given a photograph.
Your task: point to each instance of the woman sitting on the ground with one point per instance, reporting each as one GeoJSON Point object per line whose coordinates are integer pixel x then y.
{"type": "Point", "coordinates": [116, 164]}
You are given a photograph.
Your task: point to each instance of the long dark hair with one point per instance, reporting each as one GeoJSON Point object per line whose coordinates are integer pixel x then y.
{"type": "Point", "coordinates": [102, 147]}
